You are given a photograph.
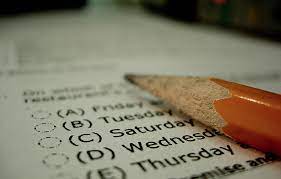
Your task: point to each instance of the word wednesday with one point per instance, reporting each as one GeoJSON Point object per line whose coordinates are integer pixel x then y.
{"type": "Point", "coordinates": [203, 153]}
{"type": "Point", "coordinates": [169, 141]}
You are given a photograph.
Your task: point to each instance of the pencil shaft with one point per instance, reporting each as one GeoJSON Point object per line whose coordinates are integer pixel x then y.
{"type": "Point", "coordinates": [246, 114]}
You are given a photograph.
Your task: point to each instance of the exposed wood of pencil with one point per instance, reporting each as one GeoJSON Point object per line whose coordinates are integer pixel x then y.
{"type": "Point", "coordinates": [193, 96]}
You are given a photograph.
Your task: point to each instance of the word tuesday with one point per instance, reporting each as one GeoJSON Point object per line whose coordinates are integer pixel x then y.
{"type": "Point", "coordinates": [136, 116]}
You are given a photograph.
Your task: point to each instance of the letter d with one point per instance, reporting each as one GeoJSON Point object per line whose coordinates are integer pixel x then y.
{"type": "Point", "coordinates": [95, 154]}
{"type": "Point", "coordinates": [204, 153]}
{"type": "Point", "coordinates": [169, 125]}
{"type": "Point", "coordinates": [164, 142]}
{"type": "Point", "coordinates": [208, 133]}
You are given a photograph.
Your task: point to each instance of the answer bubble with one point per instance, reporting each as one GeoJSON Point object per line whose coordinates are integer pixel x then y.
{"type": "Point", "coordinates": [40, 114]}
{"type": "Point", "coordinates": [45, 127]}
{"type": "Point", "coordinates": [49, 142]}
{"type": "Point", "coordinates": [55, 160]}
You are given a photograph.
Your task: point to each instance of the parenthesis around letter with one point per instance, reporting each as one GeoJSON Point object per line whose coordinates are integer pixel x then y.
{"type": "Point", "coordinates": [100, 138]}
{"type": "Point", "coordinates": [70, 140]}
{"type": "Point", "coordinates": [64, 126]}
{"type": "Point", "coordinates": [89, 174]}
{"type": "Point", "coordinates": [112, 152]}
{"type": "Point", "coordinates": [79, 158]}
{"type": "Point", "coordinates": [82, 111]}
{"type": "Point", "coordinates": [90, 123]}
{"type": "Point", "coordinates": [59, 114]}
{"type": "Point", "coordinates": [123, 173]}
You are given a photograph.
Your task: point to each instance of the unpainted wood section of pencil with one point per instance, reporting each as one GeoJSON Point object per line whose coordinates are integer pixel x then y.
{"type": "Point", "coordinates": [193, 96]}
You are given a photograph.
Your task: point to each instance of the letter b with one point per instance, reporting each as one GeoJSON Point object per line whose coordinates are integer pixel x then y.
{"type": "Point", "coordinates": [77, 124]}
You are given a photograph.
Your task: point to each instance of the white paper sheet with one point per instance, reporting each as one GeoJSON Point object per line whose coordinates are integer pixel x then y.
{"type": "Point", "coordinates": [62, 89]}
{"type": "Point", "coordinates": [88, 124]}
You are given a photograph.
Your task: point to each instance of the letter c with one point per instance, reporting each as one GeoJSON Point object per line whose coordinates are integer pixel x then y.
{"type": "Point", "coordinates": [80, 137]}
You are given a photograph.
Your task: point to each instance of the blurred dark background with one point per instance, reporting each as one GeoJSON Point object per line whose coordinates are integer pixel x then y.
{"type": "Point", "coordinates": [255, 16]}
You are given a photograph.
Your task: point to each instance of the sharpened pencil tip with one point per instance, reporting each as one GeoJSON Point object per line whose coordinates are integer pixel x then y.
{"type": "Point", "coordinates": [130, 78]}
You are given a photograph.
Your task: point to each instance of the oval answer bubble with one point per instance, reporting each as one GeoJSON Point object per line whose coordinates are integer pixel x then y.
{"type": "Point", "coordinates": [40, 114]}
{"type": "Point", "coordinates": [45, 127]}
{"type": "Point", "coordinates": [55, 160]}
{"type": "Point", "coordinates": [49, 142]}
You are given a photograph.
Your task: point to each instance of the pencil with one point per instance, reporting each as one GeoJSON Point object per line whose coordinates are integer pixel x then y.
{"type": "Point", "coordinates": [249, 115]}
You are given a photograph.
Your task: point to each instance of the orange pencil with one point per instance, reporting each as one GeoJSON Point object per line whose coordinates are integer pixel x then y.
{"type": "Point", "coordinates": [246, 114]}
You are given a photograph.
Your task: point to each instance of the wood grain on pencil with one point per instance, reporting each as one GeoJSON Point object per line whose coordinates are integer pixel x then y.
{"type": "Point", "coordinates": [247, 114]}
